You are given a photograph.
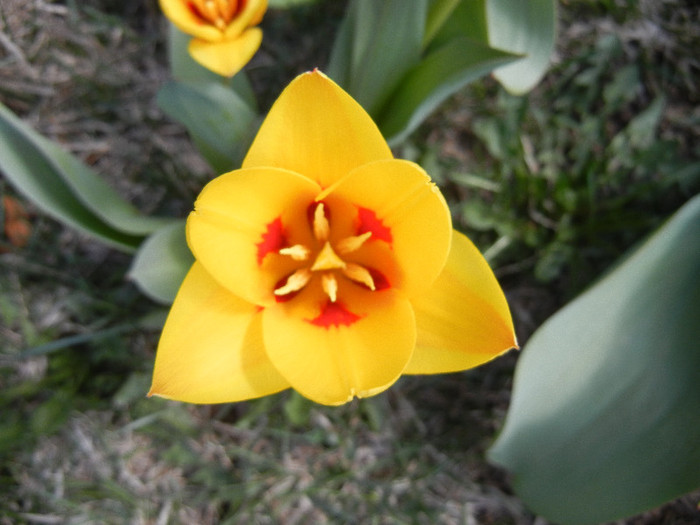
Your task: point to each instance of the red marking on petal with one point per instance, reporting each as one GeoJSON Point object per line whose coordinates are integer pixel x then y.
{"type": "Point", "coordinates": [196, 12]}
{"type": "Point", "coordinates": [272, 240]}
{"type": "Point", "coordinates": [335, 314]}
{"type": "Point", "coordinates": [380, 280]}
{"type": "Point", "coordinates": [369, 222]}
{"type": "Point", "coordinates": [240, 7]}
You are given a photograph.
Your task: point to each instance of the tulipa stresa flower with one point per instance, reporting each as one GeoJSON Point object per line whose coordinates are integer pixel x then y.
{"type": "Point", "coordinates": [224, 34]}
{"type": "Point", "coordinates": [325, 265]}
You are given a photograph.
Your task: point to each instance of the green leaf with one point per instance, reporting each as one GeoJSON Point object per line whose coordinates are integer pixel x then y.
{"type": "Point", "coordinates": [525, 27]}
{"type": "Point", "coordinates": [467, 19]}
{"type": "Point", "coordinates": [65, 188]}
{"type": "Point", "coordinates": [220, 122]}
{"type": "Point", "coordinates": [73, 340]}
{"type": "Point", "coordinates": [439, 75]}
{"type": "Point", "coordinates": [377, 43]}
{"type": "Point", "coordinates": [439, 12]}
{"type": "Point", "coordinates": [161, 263]}
{"type": "Point", "coordinates": [605, 417]}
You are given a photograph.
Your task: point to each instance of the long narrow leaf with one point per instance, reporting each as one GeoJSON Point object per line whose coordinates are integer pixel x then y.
{"type": "Point", "coordinates": [340, 61]}
{"type": "Point", "coordinates": [220, 123]}
{"type": "Point", "coordinates": [74, 340]}
{"type": "Point", "coordinates": [605, 417]}
{"type": "Point", "coordinates": [467, 19]}
{"type": "Point", "coordinates": [378, 43]}
{"type": "Point", "coordinates": [91, 190]}
{"type": "Point", "coordinates": [438, 76]}
{"type": "Point", "coordinates": [439, 12]}
{"type": "Point", "coordinates": [63, 187]}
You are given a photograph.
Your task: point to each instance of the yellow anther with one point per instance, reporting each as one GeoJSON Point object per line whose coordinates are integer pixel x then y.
{"type": "Point", "coordinates": [321, 226]}
{"type": "Point", "coordinates": [359, 274]}
{"type": "Point", "coordinates": [350, 244]}
{"type": "Point", "coordinates": [295, 282]}
{"type": "Point", "coordinates": [327, 259]}
{"type": "Point", "coordinates": [298, 252]}
{"type": "Point", "coordinates": [330, 286]}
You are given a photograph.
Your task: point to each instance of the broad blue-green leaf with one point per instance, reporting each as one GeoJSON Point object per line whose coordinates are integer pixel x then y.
{"type": "Point", "coordinates": [466, 19]}
{"type": "Point", "coordinates": [185, 69]}
{"type": "Point", "coordinates": [377, 43]}
{"type": "Point", "coordinates": [438, 76]}
{"type": "Point", "coordinates": [161, 263]}
{"type": "Point", "coordinates": [526, 27]}
{"type": "Point", "coordinates": [605, 417]}
{"type": "Point", "coordinates": [65, 188]}
{"type": "Point", "coordinates": [439, 12]}
{"type": "Point", "coordinates": [220, 123]}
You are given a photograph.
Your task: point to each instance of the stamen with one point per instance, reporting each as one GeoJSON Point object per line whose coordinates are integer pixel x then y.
{"type": "Point", "coordinates": [295, 282]}
{"type": "Point", "coordinates": [351, 244]}
{"type": "Point", "coordinates": [298, 252]}
{"type": "Point", "coordinates": [359, 274]}
{"type": "Point", "coordinates": [330, 286]}
{"type": "Point", "coordinates": [327, 259]}
{"type": "Point", "coordinates": [321, 226]}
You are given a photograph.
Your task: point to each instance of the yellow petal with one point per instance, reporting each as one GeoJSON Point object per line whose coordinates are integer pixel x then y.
{"type": "Point", "coordinates": [226, 57]}
{"type": "Point", "coordinates": [184, 18]}
{"type": "Point", "coordinates": [241, 221]}
{"type": "Point", "coordinates": [251, 15]}
{"type": "Point", "coordinates": [317, 130]}
{"type": "Point", "coordinates": [345, 350]}
{"type": "Point", "coordinates": [211, 348]}
{"type": "Point", "coordinates": [403, 209]}
{"type": "Point", "coordinates": [463, 320]}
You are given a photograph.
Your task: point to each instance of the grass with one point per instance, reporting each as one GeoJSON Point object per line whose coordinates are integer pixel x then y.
{"type": "Point", "coordinates": [554, 187]}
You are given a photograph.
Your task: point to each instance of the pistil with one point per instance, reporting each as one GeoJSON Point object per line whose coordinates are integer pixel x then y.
{"type": "Point", "coordinates": [321, 226]}
{"type": "Point", "coordinates": [327, 261]}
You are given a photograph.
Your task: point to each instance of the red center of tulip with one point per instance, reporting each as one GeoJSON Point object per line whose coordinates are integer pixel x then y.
{"type": "Point", "coordinates": [218, 13]}
{"type": "Point", "coordinates": [330, 262]}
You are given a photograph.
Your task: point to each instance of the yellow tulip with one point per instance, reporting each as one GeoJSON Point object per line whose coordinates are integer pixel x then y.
{"type": "Point", "coordinates": [224, 34]}
{"type": "Point", "coordinates": [325, 265]}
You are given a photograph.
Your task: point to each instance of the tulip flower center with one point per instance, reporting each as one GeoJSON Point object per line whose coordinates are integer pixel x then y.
{"type": "Point", "coordinates": [218, 13]}
{"type": "Point", "coordinates": [327, 261]}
